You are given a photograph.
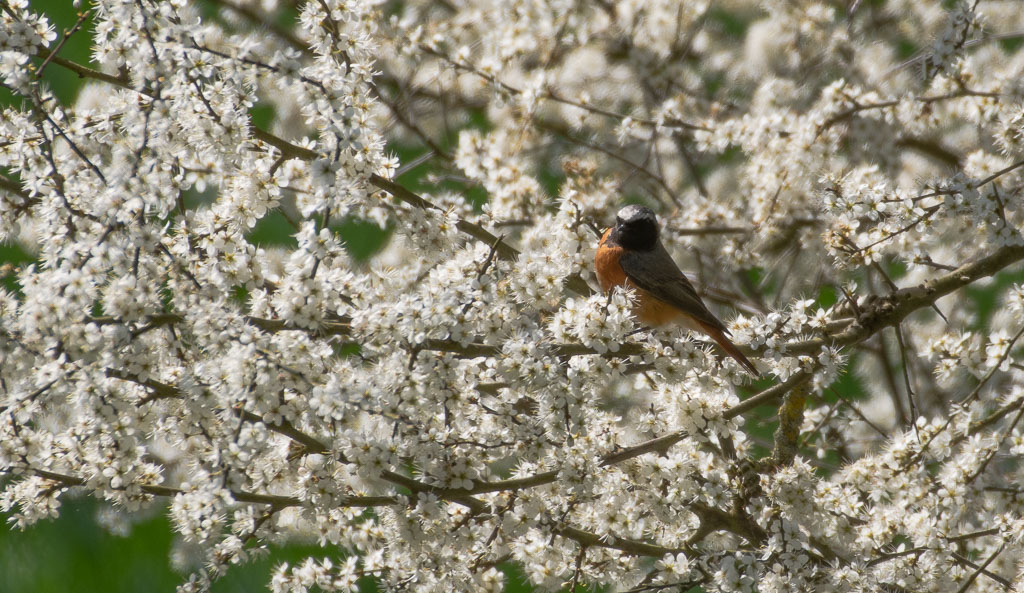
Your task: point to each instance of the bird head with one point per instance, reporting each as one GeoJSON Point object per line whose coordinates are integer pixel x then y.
{"type": "Point", "coordinates": [636, 227]}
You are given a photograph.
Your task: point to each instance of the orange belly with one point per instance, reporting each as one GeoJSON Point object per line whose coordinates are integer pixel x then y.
{"type": "Point", "coordinates": [653, 312]}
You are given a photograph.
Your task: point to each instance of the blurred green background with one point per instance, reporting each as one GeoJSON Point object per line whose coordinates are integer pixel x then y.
{"type": "Point", "coordinates": [73, 553]}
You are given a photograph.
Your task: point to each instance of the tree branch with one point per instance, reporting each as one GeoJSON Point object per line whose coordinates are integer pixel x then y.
{"type": "Point", "coordinates": [238, 495]}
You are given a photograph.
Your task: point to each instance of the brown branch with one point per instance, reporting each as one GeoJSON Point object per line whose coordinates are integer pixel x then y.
{"type": "Point", "coordinates": [768, 395]}
{"type": "Point", "coordinates": [239, 495]}
{"type": "Point", "coordinates": [999, 173]}
{"type": "Point", "coordinates": [892, 308]}
{"type": "Point", "coordinates": [164, 391]}
{"type": "Point", "coordinates": [979, 570]}
{"type": "Point", "coordinates": [64, 39]}
{"type": "Point", "coordinates": [338, 327]}
{"type": "Point", "coordinates": [266, 21]}
{"type": "Point", "coordinates": [857, 107]}
{"type": "Point", "coordinates": [585, 538]}
{"type": "Point", "coordinates": [550, 94]}
{"type": "Point", "coordinates": [563, 131]}
{"type": "Point", "coordinates": [791, 417]}
{"type": "Point", "coordinates": [655, 445]}
{"type": "Point", "coordinates": [974, 534]}
{"type": "Point", "coordinates": [83, 71]}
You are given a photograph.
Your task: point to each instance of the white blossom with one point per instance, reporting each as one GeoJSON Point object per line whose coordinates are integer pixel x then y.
{"type": "Point", "coordinates": [463, 396]}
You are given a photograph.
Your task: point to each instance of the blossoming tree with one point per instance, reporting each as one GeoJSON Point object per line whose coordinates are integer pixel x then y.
{"type": "Point", "coordinates": [843, 178]}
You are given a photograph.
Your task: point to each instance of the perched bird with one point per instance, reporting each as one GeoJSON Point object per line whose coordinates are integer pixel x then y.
{"type": "Point", "coordinates": [631, 254]}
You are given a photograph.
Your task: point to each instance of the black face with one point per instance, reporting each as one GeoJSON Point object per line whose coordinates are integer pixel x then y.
{"type": "Point", "coordinates": [636, 228]}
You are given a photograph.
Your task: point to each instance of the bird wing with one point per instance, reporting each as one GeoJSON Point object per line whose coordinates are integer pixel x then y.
{"type": "Point", "coordinates": [656, 272]}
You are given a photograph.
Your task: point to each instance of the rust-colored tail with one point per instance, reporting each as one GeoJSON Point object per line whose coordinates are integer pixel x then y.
{"type": "Point", "coordinates": [722, 340]}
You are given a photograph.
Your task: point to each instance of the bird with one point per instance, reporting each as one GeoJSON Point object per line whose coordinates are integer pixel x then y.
{"type": "Point", "coordinates": [631, 254]}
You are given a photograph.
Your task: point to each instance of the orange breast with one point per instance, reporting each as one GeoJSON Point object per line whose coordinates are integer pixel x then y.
{"type": "Point", "coordinates": [606, 264]}
{"type": "Point", "coordinates": [648, 310]}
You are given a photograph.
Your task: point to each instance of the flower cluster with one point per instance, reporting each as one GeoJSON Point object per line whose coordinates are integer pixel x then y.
{"type": "Point", "coordinates": [463, 396]}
